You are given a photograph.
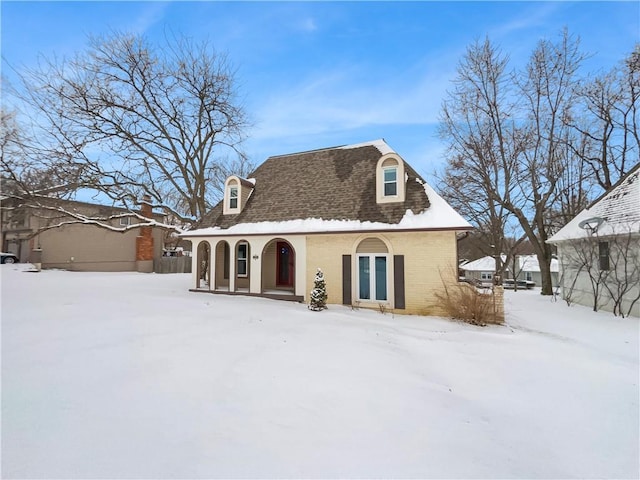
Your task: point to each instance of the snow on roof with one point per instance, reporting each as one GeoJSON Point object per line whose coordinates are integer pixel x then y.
{"type": "Point", "coordinates": [526, 263]}
{"type": "Point", "coordinates": [529, 263]}
{"type": "Point", "coordinates": [484, 264]}
{"type": "Point", "coordinates": [620, 209]}
{"type": "Point", "coordinates": [439, 215]}
{"type": "Point", "coordinates": [380, 144]}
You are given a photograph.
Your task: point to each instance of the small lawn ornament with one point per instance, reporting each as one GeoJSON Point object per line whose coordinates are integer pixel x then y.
{"type": "Point", "coordinates": [319, 293]}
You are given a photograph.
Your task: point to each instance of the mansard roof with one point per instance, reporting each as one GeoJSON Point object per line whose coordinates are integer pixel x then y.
{"type": "Point", "coordinates": [335, 187]}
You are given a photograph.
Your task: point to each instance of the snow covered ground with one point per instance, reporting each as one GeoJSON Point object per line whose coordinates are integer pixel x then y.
{"type": "Point", "coordinates": [126, 375]}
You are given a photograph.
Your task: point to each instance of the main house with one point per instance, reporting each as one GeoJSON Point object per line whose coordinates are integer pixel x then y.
{"type": "Point", "coordinates": [381, 235]}
{"type": "Point", "coordinates": [599, 250]}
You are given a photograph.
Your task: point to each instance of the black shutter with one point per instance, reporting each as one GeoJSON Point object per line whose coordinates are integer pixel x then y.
{"type": "Point", "coordinates": [346, 279]}
{"type": "Point", "coordinates": [398, 281]}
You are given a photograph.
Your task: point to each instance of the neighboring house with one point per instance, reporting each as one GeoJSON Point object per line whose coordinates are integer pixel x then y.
{"type": "Point", "coordinates": [599, 250]}
{"type": "Point", "coordinates": [77, 246]}
{"type": "Point", "coordinates": [482, 270]}
{"type": "Point", "coordinates": [382, 236]}
{"type": "Point", "coordinates": [528, 270]}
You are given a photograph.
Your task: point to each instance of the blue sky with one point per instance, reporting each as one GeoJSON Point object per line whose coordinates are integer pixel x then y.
{"type": "Point", "coordinates": [319, 74]}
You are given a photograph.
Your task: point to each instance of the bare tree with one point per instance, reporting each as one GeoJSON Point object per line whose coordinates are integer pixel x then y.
{"type": "Point", "coordinates": [582, 266]}
{"type": "Point", "coordinates": [608, 267]}
{"type": "Point", "coordinates": [131, 118]}
{"type": "Point", "coordinates": [608, 121]}
{"type": "Point", "coordinates": [548, 91]}
{"type": "Point", "coordinates": [507, 137]}
{"type": "Point", "coordinates": [623, 282]}
{"type": "Point", "coordinates": [477, 121]}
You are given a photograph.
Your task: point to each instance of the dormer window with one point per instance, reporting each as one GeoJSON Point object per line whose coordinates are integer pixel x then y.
{"type": "Point", "coordinates": [390, 179]}
{"type": "Point", "coordinates": [236, 193]}
{"type": "Point", "coordinates": [233, 198]}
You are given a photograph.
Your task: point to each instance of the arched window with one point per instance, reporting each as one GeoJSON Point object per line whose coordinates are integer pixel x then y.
{"type": "Point", "coordinates": [372, 270]}
{"type": "Point", "coordinates": [390, 181]}
{"type": "Point", "coordinates": [231, 196]}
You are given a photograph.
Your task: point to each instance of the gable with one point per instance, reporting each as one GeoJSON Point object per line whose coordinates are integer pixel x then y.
{"type": "Point", "coordinates": [619, 208]}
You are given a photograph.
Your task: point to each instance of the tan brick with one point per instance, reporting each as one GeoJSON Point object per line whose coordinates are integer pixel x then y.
{"type": "Point", "coordinates": [430, 259]}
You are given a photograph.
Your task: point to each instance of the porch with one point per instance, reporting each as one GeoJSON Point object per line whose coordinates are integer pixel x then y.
{"type": "Point", "coordinates": [260, 266]}
{"type": "Point", "coordinates": [286, 296]}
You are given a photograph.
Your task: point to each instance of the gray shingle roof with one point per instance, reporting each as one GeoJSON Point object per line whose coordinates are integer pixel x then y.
{"type": "Point", "coordinates": [619, 208]}
{"type": "Point", "coordinates": [332, 184]}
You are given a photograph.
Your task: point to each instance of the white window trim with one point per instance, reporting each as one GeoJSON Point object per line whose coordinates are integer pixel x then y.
{"type": "Point", "coordinates": [486, 276]}
{"type": "Point", "coordinates": [245, 259]}
{"type": "Point", "coordinates": [125, 221]}
{"type": "Point", "coordinates": [232, 182]}
{"type": "Point", "coordinates": [372, 277]}
{"type": "Point", "coordinates": [233, 197]}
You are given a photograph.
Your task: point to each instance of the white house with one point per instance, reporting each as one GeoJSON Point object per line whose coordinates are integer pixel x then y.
{"type": "Point", "coordinates": [599, 251]}
{"type": "Point", "coordinates": [528, 269]}
{"type": "Point", "coordinates": [482, 269]}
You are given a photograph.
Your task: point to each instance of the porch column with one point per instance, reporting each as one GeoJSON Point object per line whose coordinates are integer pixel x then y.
{"type": "Point", "coordinates": [194, 262]}
{"type": "Point", "coordinates": [213, 255]}
{"type": "Point", "coordinates": [300, 286]}
{"type": "Point", "coordinates": [255, 272]}
{"type": "Point", "coordinates": [232, 265]}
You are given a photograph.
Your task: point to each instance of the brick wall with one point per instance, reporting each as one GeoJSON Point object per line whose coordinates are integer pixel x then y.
{"type": "Point", "coordinates": [429, 258]}
{"type": "Point", "coordinates": [498, 298]}
{"type": "Point", "coordinates": [144, 241]}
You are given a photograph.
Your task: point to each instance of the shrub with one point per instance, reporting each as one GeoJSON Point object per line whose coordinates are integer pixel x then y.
{"type": "Point", "coordinates": [318, 299]}
{"type": "Point", "coordinates": [464, 302]}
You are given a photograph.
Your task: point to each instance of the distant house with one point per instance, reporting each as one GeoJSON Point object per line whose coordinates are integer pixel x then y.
{"type": "Point", "coordinates": [528, 269]}
{"type": "Point", "coordinates": [599, 250]}
{"type": "Point", "coordinates": [382, 236]}
{"type": "Point", "coordinates": [77, 246]}
{"type": "Point", "coordinates": [482, 270]}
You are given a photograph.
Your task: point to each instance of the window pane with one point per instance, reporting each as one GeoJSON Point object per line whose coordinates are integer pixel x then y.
{"type": "Point", "coordinates": [233, 197]}
{"type": "Point", "coordinates": [381, 278]}
{"type": "Point", "coordinates": [604, 255]}
{"type": "Point", "coordinates": [226, 262]}
{"type": "Point", "coordinates": [390, 182]}
{"type": "Point", "coordinates": [364, 278]}
{"type": "Point", "coordinates": [242, 267]}
{"type": "Point", "coordinates": [390, 175]}
{"type": "Point", "coordinates": [390, 189]}
{"type": "Point", "coordinates": [242, 251]}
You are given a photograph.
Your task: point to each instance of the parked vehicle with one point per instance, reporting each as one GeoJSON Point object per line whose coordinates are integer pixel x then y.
{"type": "Point", "coordinates": [8, 258]}
{"type": "Point", "coordinates": [528, 284]}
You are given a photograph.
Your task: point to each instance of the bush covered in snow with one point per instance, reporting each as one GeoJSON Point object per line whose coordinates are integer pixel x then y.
{"type": "Point", "coordinates": [319, 293]}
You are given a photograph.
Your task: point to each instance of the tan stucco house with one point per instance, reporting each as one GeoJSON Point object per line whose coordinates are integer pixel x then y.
{"type": "Point", "coordinates": [382, 236]}
{"type": "Point", "coordinates": [54, 237]}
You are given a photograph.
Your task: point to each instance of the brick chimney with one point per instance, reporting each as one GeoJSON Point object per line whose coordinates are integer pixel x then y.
{"type": "Point", "coordinates": [144, 241]}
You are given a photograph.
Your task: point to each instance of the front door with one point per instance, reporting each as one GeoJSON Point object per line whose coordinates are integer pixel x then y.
{"type": "Point", "coordinates": [285, 265]}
